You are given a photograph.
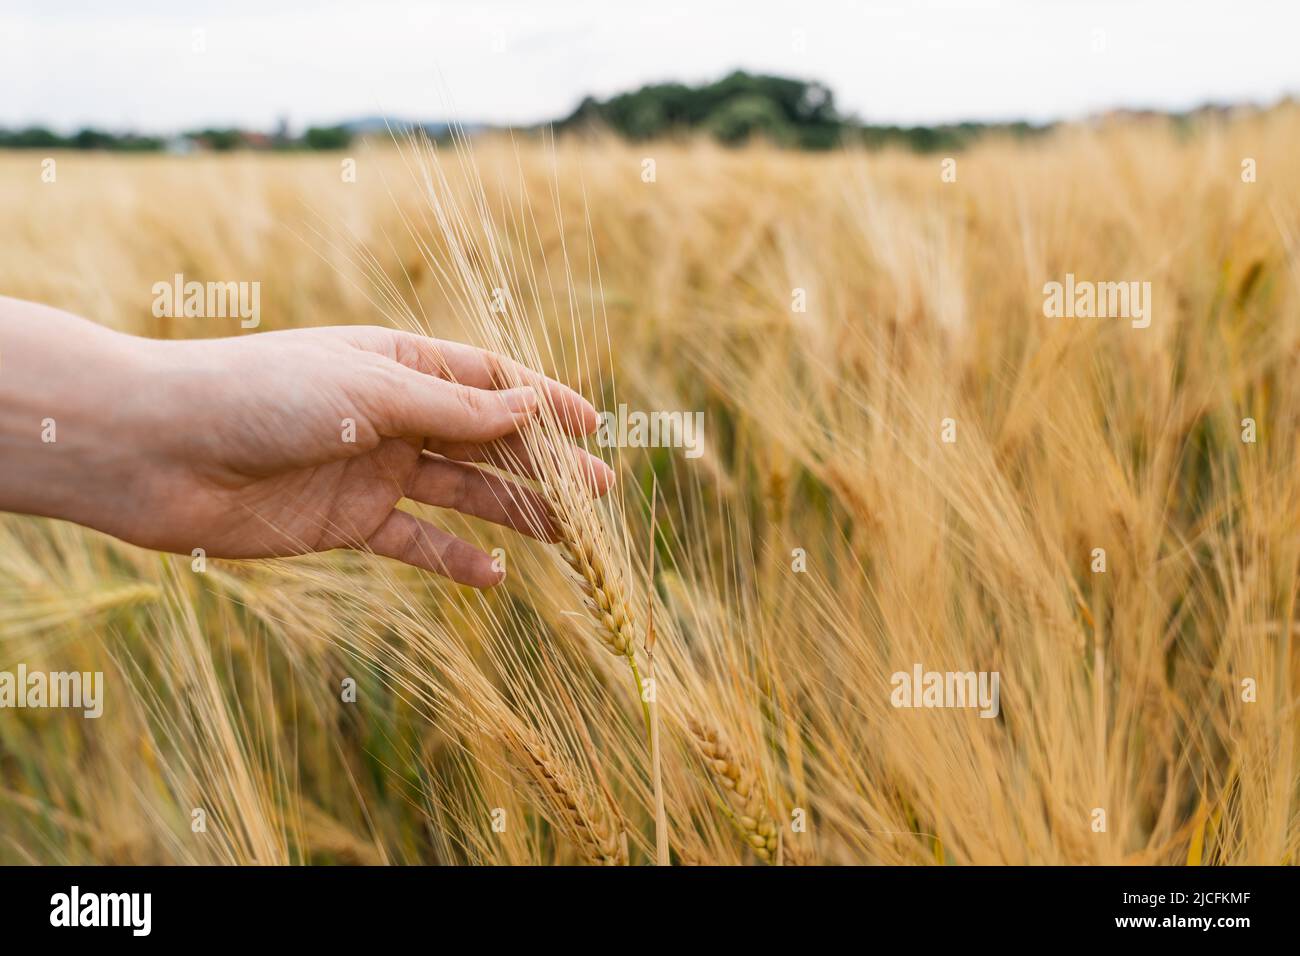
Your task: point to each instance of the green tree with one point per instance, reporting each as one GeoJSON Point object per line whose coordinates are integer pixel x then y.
{"type": "Point", "coordinates": [741, 117]}
{"type": "Point", "coordinates": [327, 137]}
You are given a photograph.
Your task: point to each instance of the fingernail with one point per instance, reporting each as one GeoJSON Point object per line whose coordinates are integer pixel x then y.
{"type": "Point", "coordinates": [521, 401]}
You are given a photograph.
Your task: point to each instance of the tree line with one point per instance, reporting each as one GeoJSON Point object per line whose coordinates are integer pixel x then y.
{"type": "Point", "coordinates": [740, 107]}
{"type": "Point", "coordinates": [215, 139]}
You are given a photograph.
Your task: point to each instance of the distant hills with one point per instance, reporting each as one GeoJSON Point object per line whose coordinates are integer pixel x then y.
{"type": "Point", "coordinates": [380, 126]}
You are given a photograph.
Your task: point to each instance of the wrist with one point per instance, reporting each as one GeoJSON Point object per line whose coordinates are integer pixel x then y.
{"type": "Point", "coordinates": [74, 415]}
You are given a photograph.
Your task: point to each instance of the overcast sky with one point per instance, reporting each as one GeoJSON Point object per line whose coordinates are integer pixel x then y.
{"type": "Point", "coordinates": [134, 63]}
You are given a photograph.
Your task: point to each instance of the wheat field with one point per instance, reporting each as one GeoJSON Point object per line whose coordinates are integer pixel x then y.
{"type": "Point", "coordinates": [904, 462]}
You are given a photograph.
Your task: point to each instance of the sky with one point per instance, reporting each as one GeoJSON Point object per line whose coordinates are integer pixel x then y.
{"type": "Point", "coordinates": [165, 65]}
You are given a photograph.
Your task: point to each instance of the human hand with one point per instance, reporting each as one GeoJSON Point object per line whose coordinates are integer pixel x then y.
{"type": "Point", "coordinates": [274, 444]}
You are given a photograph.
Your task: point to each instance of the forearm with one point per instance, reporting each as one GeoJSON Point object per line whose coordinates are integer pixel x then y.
{"type": "Point", "coordinates": [73, 404]}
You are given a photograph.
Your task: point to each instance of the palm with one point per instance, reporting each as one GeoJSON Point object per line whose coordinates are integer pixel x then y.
{"type": "Point", "coordinates": [336, 504]}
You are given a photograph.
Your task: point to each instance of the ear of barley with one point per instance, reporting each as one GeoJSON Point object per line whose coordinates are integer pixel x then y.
{"type": "Point", "coordinates": [747, 806]}
{"type": "Point", "coordinates": [601, 587]}
{"type": "Point", "coordinates": [598, 579]}
{"type": "Point", "coordinates": [590, 825]}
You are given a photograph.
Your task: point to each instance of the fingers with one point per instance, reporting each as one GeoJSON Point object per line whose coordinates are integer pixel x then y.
{"type": "Point", "coordinates": [406, 538]}
{"type": "Point", "coordinates": [481, 369]}
{"type": "Point", "coordinates": [472, 491]}
{"type": "Point", "coordinates": [512, 454]}
{"type": "Point", "coordinates": [433, 408]}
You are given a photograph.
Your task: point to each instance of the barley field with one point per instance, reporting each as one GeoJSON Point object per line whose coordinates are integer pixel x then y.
{"type": "Point", "coordinates": [905, 466]}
